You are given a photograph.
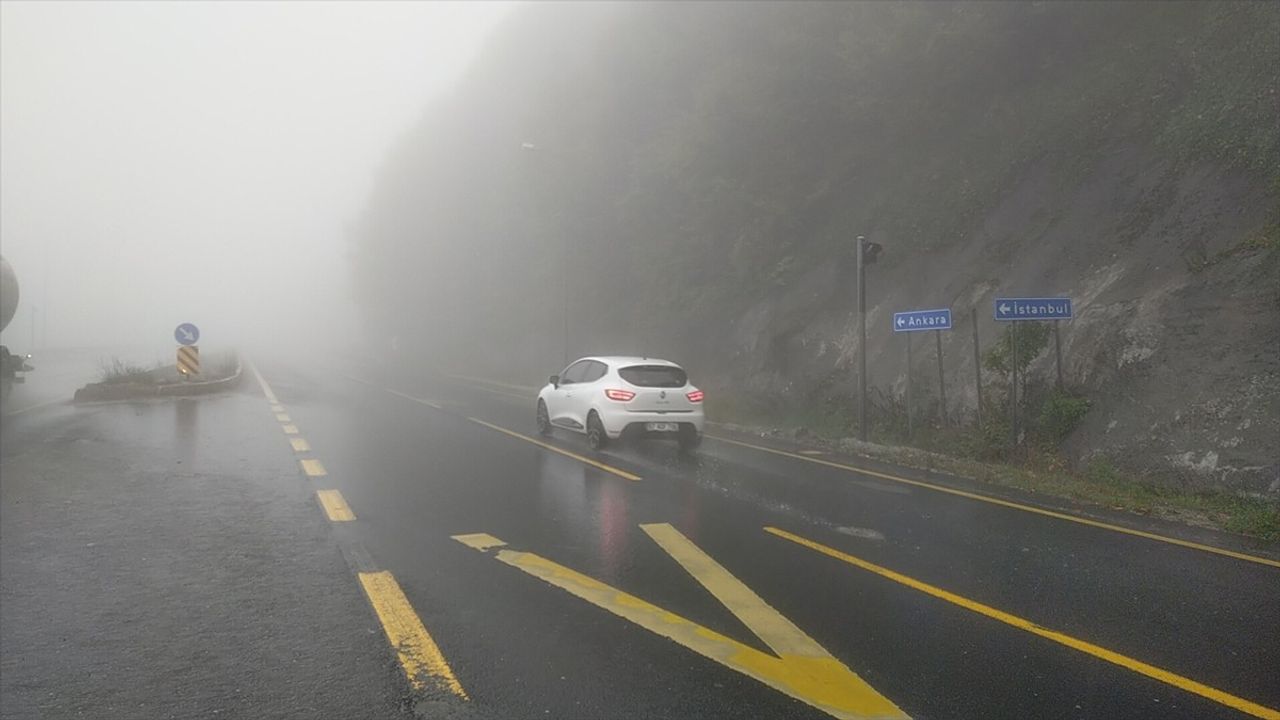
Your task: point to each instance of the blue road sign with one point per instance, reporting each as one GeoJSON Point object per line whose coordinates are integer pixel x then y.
{"type": "Point", "coordinates": [186, 334]}
{"type": "Point", "coordinates": [1033, 308]}
{"type": "Point", "coordinates": [916, 320]}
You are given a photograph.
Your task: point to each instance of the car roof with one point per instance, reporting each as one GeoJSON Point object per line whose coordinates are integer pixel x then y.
{"type": "Point", "coordinates": [629, 360]}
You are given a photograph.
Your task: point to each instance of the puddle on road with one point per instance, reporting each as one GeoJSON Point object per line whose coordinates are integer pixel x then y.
{"type": "Point", "coordinates": [865, 533]}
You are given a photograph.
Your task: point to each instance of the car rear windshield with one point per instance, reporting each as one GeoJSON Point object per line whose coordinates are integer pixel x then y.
{"type": "Point", "coordinates": [654, 376]}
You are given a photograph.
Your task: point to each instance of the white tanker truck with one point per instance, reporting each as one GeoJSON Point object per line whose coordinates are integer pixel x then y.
{"type": "Point", "coordinates": [11, 366]}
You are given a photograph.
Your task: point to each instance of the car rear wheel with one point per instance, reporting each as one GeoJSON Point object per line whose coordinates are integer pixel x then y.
{"type": "Point", "coordinates": [689, 438]}
{"type": "Point", "coordinates": [544, 420]}
{"type": "Point", "coordinates": [596, 436]}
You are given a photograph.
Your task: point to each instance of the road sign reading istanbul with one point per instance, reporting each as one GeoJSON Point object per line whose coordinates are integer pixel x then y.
{"type": "Point", "coordinates": [1033, 308]}
{"type": "Point", "coordinates": [186, 334]}
{"type": "Point", "coordinates": [916, 320]}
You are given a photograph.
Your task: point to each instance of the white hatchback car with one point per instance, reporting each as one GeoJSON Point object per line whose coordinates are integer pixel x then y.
{"type": "Point", "coordinates": [611, 397]}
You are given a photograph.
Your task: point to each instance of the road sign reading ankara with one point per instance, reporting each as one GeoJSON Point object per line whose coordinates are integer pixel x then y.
{"type": "Point", "coordinates": [916, 320]}
{"type": "Point", "coordinates": [1033, 308]}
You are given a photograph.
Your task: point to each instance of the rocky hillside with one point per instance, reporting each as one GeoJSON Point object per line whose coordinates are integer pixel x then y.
{"type": "Point", "coordinates": [697, 174]}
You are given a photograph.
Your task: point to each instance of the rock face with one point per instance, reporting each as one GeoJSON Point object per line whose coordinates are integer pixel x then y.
{"type": "Point", "coordinates": [1176, 340]}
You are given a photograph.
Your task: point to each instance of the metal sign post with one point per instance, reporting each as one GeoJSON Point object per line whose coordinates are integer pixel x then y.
{"type": "Point", "coordinates": [910, 427]}
{"type": "Point", "coordinates": [862, 339]}
{"type": "Point", "coordinates": [942, 381]}
{"type": "Point", "coordinates": [1024, 309]}
{"type": "Point", "coordinates": [1013, 387]}
{"type": "Point", "coordinates": [977, 363]}
{"type": "Point", "coordinates": [919, 321]}
{"type": "Point", "coordinates": [1057, 352]}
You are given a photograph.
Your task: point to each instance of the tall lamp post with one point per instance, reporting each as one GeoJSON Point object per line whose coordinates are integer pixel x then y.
{"type": "Point", "coordinates": [564, 270]}
{"type": "Point", "coordinates": [867, 254]}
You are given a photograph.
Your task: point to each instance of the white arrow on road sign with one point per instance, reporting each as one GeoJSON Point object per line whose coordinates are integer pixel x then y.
{"type": "Point", "coordinates": [901, 322]}
{"type": "Point", "coordinates": [1004, 309]}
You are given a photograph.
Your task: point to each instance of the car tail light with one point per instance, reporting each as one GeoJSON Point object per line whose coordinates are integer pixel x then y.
{"type": "Point", "coordinates": [619, 395]}
{"type": "Point", "coordinates": [695, 396]}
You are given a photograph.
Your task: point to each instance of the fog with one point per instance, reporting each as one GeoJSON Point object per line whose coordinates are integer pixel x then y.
{"type": "Point", "coordinates": [201, 162]}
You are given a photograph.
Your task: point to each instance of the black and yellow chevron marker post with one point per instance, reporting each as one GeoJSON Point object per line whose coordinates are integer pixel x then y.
{"type": "Point", "coordinates": [188, 360]}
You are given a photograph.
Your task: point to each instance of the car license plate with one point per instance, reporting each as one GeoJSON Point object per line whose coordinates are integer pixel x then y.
{"type": "Point", "coordinates": [661, 427]}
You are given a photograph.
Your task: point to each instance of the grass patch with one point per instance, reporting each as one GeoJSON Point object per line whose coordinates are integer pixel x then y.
{"type": "Point", "coordinates": [1042, 470]}
{"type": "Point", "coordinates": [116, 371]}
{"type": "Point", "coordinates": [1103, 484]}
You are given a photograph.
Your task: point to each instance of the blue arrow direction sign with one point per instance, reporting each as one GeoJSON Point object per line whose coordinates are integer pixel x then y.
{"type": "Point", "coordinates": [186, 334]}
{"type": "Point", "coordinates": [916, 320]}
{"type": "Point", "coordinates": [1033, 308]}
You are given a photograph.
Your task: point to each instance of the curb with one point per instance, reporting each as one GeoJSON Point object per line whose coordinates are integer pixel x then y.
{"type": "Point", "coordinates": [99, 392]}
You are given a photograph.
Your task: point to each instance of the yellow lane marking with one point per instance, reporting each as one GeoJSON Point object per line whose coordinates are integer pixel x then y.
{"type": "Point", "coordinates": [768, 624]}
{"type": "Point", "coordinates": [419, 655]}
{"type": "Point", "coordinates": [428, 403]}
{"type": "Point", "coordinates": [284, 418]}
{"type": "Point", "coordinates": [607, 468]}
{"type": "Point", "coordinates": [277, 408]}
{"type": "Point", "coordinates": [313, 467]}
{"type": "Point", "coordinates": [495, 391]}
{"type": "Point", "coordinates": [289, 429]}
{"type": "Point", "coordinates": [1137, 666]}
{"type": "Point", "coordinates": [300, 445]}
{"type": "Point", "coordinates": [817, 679]}
{"type": "Point", "coordinates": [1010, 504]}
{"type": "Point", "coordinates": [523, 388]}
{"type": "Point", "coordinates": [479, 541]}
{"type": "Point", "coordinates": [335, 506]}
{"type": "Point", "coordinates": [266, 389]}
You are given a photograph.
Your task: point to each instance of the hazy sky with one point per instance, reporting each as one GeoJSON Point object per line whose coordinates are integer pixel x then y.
{"type": "Point", "coordinates": [167, 162]}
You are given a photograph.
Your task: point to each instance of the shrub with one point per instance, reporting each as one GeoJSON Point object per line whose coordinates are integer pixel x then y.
{"type": "Point", "coordinates": [1102, 471]}
{"type": "Point", "coordinates": [1033, 337]}
{"type": "Point", "coordinates": [1061, 413]}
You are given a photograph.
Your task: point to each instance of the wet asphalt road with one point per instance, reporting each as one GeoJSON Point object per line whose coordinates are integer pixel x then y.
{"type": "Point", "coordinates": [170, 560]}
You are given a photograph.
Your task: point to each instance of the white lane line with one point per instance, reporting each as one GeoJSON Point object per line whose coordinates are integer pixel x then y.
{"type": "Point", "coordinates": [37, 406]}
{"type": "Point", "coordinates": [266, 389]}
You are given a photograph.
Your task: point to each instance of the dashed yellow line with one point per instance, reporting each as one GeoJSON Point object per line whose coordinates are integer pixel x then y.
{"type": "Point", "coordinates": [588, 461]}
{"type": "Point", "coordinates": [312, 467]}
{"type": "Point", "coordinates": [1008, 504]}
{"type": "Point", "coordinates": [335, 506]}
{"type": "Point", "coordinates": [418, 653]}
{"type": "Point", "coordinates": [1164, 676]}
{"type": "Point", "coordinates": [419, 656]}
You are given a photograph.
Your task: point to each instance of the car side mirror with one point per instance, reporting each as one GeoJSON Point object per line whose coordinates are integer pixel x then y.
{"type": "Point", "coordinates": [555, 381]}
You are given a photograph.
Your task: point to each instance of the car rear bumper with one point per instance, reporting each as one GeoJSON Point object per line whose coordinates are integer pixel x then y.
{"type": "Point", "coordinates": [618, 421]}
